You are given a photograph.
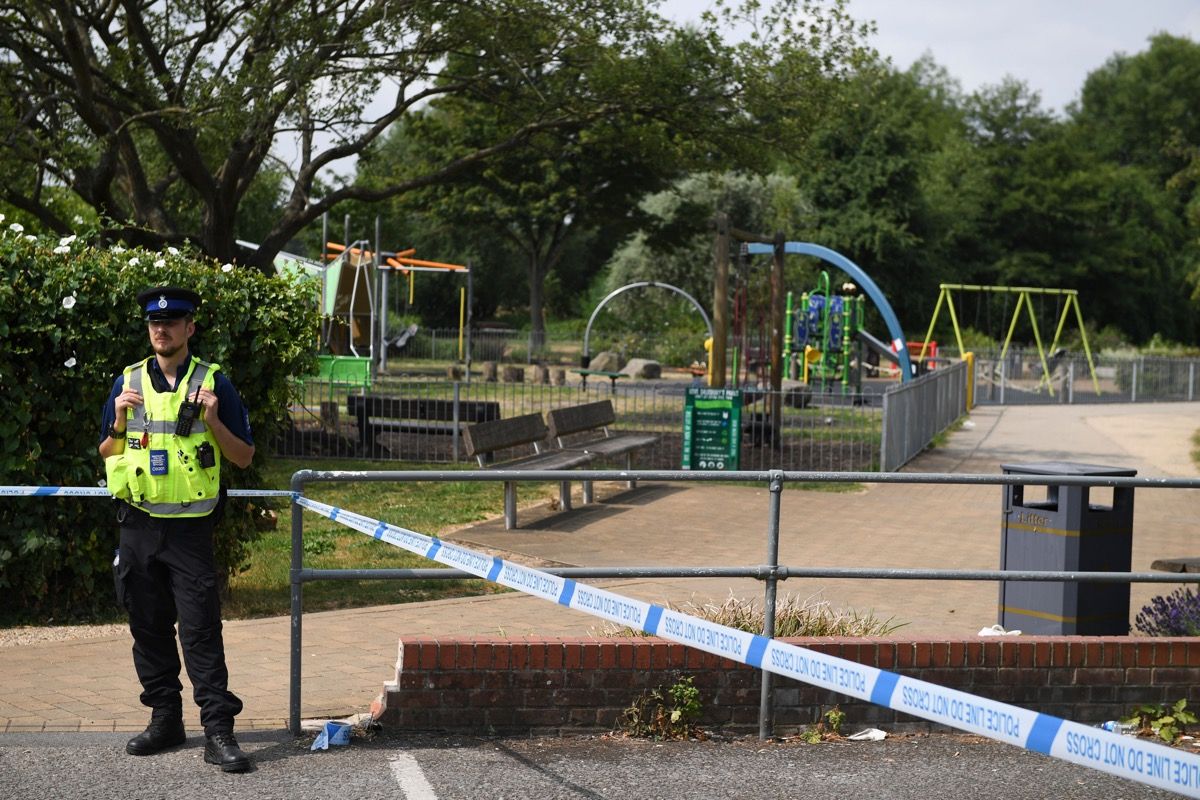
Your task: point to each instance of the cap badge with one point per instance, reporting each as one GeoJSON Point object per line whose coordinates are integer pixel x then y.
{"type": "Point", "coordinates": [162, 301]}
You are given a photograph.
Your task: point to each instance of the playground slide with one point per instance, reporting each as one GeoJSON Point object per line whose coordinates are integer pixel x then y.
{"type": "Point", "coordinates": [882, 348]}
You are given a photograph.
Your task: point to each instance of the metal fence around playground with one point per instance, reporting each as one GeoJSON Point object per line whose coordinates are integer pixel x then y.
{"type": "Point", "coordinates": [1020, 378]}
{"type": "Point", "coordinates": [816, 431]}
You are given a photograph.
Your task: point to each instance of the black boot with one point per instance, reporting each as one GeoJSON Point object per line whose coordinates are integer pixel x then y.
{"type": "Point", "coordinates": [222, 749]}
{"type": "Point", "coordinates": [162, 732]}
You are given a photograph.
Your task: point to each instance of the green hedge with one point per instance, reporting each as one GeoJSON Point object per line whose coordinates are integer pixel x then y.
{"type": "Point", "coordinates": [69, 322]}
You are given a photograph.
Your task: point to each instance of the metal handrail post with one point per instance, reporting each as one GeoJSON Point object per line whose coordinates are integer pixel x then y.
{"type": "Point", "coordinates": [766, 710]}
{"type": "Point", "coordinates": [297, 602]}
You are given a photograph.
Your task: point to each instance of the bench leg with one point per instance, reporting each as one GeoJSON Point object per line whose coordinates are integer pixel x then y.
{"type": "Point", "coordinates": [564, 495]}
{"type": "Point", "coordinates": [510, 505]}
{"type": "Point", "coordinates": [588, 495]}
{"type": "Point", "coordinates": [629, 466]}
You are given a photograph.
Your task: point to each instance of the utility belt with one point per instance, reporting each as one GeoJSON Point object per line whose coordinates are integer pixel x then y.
{"type": "Point", "coordinates": [130, 516]}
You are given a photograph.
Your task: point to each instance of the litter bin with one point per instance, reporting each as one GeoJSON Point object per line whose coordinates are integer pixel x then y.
{"type": "Point", "coordinates": [1066, 532]}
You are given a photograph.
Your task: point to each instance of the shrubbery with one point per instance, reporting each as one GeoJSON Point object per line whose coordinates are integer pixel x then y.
{"type": "Point", "coordinates": [69, 322]}
{"type": "Point", "coordinates": [1176, 614]}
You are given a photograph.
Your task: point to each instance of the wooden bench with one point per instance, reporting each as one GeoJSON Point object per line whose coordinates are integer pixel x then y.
{"type": "Point", "coordinates": [575, 428]}
{"type": "Point", "coordinates": [379, 413]}
{"type": "Point", "coordinates": [486, 438]}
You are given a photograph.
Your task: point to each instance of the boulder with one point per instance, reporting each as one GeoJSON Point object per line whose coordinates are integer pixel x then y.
{"type": "Point", "coordinates": [642, 368]}
{"type": "Point", "coordinates": [605, 361]}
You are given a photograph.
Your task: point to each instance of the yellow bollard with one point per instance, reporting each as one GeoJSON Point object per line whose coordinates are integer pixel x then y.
{"type": "Point", "coordinates": [970, 359]}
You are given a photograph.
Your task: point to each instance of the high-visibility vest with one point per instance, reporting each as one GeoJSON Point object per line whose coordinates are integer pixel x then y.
{"type": "Point", "coordinates": [159, 472]}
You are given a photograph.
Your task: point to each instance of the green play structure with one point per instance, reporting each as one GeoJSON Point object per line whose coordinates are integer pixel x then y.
{"type": "Point", "coordinates": [819, 333]}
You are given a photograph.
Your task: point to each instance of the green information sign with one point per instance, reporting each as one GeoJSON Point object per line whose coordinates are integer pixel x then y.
{"type": "Point", "coordinates": [712, 429]}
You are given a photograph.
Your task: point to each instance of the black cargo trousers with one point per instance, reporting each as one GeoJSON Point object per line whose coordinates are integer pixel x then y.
{"type": "Point", "coordinates": [165, 571]}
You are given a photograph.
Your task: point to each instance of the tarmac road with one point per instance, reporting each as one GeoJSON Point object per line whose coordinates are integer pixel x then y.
{"type": "Point", "coordinates": [924, 766]}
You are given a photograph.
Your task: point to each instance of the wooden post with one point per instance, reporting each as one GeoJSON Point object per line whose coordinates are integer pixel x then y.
{"type": "Point", "coordinates": [777, 323]}
{"type": "Point", "coordinates": [720, 301]}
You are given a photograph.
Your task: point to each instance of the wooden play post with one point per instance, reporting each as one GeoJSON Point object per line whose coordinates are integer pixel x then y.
{"type": "Point", "coordinates": [716, 367]}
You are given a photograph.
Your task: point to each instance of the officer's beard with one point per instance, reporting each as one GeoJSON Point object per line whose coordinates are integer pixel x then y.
{"type": "Point", "coordinates": [166, 350]}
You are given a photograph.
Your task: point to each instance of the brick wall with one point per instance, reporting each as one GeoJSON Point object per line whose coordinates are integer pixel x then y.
{"type": "Point", "coordinates": [581, 685]}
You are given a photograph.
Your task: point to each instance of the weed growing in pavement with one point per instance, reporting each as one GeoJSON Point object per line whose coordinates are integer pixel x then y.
{"type": "Point", "coordinates": [1165, 722]}
{"type": "Point", "coordinates": [794, 616]}
{"type": "Point", "coordinates": [673, 713]}
{"type": "Point", "coordinates": [829, 727]}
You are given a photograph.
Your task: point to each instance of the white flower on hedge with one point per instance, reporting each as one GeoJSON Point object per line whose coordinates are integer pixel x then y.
{"type": "Point", "coordinates": [173, 251]}
{"type": "Point", "coordinates": [69, 301]}
{"type": "Point", "coordinates": [161, 262]}
{"type": "Point", "coordinates": [116, 248]}
{"type": "Point", "coordinates": [61, 249]}
{"type": "Point", "coordinates": [67, 241]}
{"type": "Point", "coordinates": [70, 362]}
{"type": "Point", "coordinates": [29, 237]}
{"type": "Point", "coordinates": [76, 220]}
{"type": "Point", "coordinates": [16, 227]}
{"type": "Point", "coordinates": [133, 262]}
{"type": "Point", "coordinates": [227, 267]}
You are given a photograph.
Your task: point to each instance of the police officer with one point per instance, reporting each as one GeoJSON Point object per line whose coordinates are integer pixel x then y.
{"type": "Point", "coordinates": [166, 425]}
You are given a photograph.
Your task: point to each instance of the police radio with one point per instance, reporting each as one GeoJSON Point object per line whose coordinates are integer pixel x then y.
{"type": "Point", "coordinates": [188, 411]}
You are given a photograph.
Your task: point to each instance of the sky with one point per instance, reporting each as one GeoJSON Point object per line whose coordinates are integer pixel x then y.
{"type": "Point", "coordinates": [1052, 45]}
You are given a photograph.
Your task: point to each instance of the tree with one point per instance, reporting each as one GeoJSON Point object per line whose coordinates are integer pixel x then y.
{"type": "Point", "coordinates": [692, 101]}
{"type": "Point", "coordinates": [160, 115]}
{"type": "Point", "coordinates": [895, 185]}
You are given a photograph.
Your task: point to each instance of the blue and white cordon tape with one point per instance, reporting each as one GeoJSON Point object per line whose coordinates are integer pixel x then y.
{"type": "Point", "coordinates": [100, 491]}
{"type": "Point", "coordinates": [1125, 756]}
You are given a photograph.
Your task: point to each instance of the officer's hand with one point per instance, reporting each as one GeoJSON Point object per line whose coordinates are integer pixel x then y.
{"type": "Point", "coordinates": [127, 399]}
{"type": "Point", "coordinates": [208, 401]}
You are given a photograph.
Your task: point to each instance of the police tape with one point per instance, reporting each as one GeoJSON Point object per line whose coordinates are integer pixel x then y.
{"type": "Point", "coordinates": [1125, 756]}
{"type": "Point", "coordinates": [100, 491]}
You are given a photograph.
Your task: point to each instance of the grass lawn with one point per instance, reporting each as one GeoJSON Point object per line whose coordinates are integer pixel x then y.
{"type": "Point", "coordinates": [263, 588]}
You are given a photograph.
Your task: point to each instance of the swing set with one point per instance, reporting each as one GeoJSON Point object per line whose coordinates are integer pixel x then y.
{"type": "Point", "coordinates": [1024, 298]}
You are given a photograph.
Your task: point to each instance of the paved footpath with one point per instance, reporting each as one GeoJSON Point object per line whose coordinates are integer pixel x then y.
{"type": "Point", "coordinates": [89, 685]}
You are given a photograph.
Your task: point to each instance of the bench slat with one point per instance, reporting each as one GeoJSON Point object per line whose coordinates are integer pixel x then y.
{"type": "Point", "coordinates": [615, 445]}
{"type": "Point", "coordinates": [576, 419]}
{"type": "Point", "coordinates": [500, 434]}
{"type": "Point", "coordinates": [373, 405]}
{"type": "Point", "coordinates": [553, 459]}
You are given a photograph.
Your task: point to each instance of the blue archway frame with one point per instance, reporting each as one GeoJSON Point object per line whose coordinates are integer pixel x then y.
{"type": "Point", "coordinates": [859, 277]}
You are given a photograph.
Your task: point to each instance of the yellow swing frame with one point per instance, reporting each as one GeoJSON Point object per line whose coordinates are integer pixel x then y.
{"type": "Point", "coordinates": [1024, 297]}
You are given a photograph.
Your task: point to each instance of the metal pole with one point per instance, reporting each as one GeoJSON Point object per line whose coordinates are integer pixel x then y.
{"type": "Point", "coordinates": [1133, 382]}
{"type": "Point", "coordinates": [1070, 382]}
{"type": "Point", "coordinates": [454, 434]}
{"type": "Point", "coordinates": [766, 711]}
{"type": "Point", "coordinates": [1191, 379]}
{"type": "Point", "coordinates": [297, 606]}
{"type": "Point", "coordinates": [1003, 365]}
{"type": "Point", "coordinates": [383, 296]}
{"type": "Point", "coordinates": [470, 300]}
{"type": "Point", "coordinates": [325, 304]}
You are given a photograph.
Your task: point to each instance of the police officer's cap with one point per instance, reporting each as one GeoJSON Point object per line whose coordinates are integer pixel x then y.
{"type": "Point", "coordinates": [168, 302]}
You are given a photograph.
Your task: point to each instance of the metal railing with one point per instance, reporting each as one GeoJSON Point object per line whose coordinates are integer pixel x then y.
{"type": "Point", "coordinates": [770, 572]}
{"type": "Point", "coordinates": [917, 411]}
{"type": "Point", "coordinates": [1018, 378]}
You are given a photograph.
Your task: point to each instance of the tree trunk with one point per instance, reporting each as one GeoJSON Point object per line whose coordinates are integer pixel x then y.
{"type": "Point", "coordinates": [537, 315]}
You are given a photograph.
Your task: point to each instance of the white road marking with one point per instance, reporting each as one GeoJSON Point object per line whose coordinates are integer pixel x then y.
{"type": "Point", "coordinates": [410, 778]}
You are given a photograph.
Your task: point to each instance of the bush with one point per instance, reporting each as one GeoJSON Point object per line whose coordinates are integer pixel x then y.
{"type": "Point", "coordinates": [1177, 614]}
{"type": "Point", "coordinates": [70, 323]}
